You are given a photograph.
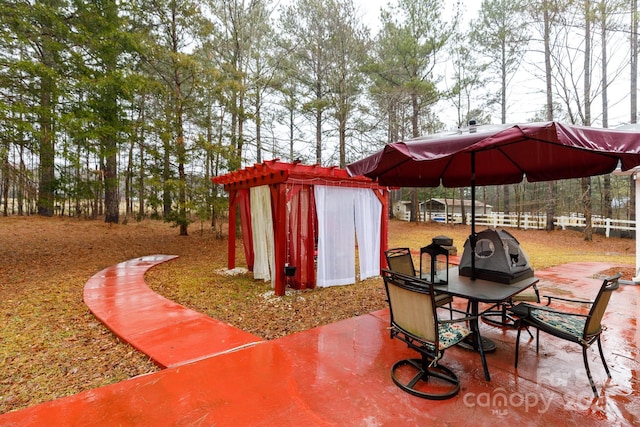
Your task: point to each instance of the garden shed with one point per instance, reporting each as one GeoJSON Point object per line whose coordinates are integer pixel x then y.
{"type": "Point", "coordinates": [301, 224]}
{"type": "Point", "coordinates": [452, 206]}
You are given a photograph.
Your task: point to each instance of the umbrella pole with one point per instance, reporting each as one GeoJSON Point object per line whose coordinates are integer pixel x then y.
{"type": "Point", "coordinates": [473, 238]}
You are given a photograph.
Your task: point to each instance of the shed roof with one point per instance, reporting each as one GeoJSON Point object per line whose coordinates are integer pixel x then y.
{"type": "Point", "coordinates": [454, 202]}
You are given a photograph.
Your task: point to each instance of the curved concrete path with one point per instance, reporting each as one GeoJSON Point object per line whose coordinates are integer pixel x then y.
{"type": "Point", "coordinates": [167, 332]}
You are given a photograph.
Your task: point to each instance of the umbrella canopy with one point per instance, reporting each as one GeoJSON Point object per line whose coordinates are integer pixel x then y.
{"type": "Point", "coordinates": [497, 155]}
{"type": "Point", "coordinates": [503, 155]}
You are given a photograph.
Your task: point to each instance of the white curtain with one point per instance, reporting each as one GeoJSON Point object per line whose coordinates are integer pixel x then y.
{"type": "Point", "coordinates": [336, 236]}
{"type": "Point", "coordinates": [342, 211]}
{"type": "Point", "coordinates": [262, 227]}
{"type": "Point", "coordinates": [368, 213]}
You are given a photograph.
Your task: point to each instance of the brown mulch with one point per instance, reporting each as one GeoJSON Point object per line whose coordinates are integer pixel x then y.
{"type": "Point", "coordinates": [51, 346]}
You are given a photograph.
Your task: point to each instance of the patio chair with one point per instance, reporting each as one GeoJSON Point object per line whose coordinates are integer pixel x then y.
{"type": "Point", "coordinates": [583, 329]}
{"type": "Point", "coordinates": [414, 320]}
{"type": "Point", "coordinates": [400, 260]}
{"type": "Point", "coordinates": [500, 315]}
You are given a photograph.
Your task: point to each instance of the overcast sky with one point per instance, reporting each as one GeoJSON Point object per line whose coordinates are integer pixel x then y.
{"type": "Point", "coordinates": [526, 91]}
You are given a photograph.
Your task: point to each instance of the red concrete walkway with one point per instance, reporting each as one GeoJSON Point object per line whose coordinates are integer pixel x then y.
{"type": "Point", "coordinates": [338, 375]}
{"type": "Point", "coordinates": [168, 333]}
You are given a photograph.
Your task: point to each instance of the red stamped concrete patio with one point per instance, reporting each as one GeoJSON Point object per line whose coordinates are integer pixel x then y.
{"type": "Point", "coordinates": [338, 375]}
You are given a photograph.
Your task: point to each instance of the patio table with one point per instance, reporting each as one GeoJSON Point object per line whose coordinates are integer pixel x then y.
{"type": "Point", "coordinates": [485, 291]}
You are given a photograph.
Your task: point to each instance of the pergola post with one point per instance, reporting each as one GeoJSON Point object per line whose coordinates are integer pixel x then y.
{"type": "Point", "coordinates": [382, 195]}
{"type": "Point", "coordinates": [231, 248]}
{"type": "Point", "coordinates": [280, 236]}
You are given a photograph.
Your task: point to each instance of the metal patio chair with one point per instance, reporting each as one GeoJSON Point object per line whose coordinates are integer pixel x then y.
{"type": "Point", "coordinates": [582, 329]}
{"type": "Point", "coordinates": [400, 260]}
{"type": "Point", "coordinates": [500, 314]}
{"type": "Point", "coordinates": [414, 320]}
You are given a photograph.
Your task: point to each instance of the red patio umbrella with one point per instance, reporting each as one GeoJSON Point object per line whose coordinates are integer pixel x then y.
{"type": "Point", "coordinates": [496, 155]}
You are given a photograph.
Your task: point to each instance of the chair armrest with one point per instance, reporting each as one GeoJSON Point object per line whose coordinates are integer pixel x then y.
{"type": "Point", "coordinates": [458, 320]}
{"type": "Point", "coordinates": [575, 300]}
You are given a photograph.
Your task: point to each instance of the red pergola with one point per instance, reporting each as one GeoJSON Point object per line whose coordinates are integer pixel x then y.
{"type": "Point", "coordinates": [293, 213]}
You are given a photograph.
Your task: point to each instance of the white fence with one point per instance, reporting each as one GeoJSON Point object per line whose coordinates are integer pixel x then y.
{"type": "Point", "coordinates": [537, 221]}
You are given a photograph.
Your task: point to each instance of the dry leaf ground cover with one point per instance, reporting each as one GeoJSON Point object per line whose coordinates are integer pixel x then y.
{"type": "Point", "coordinates": [51, 346]}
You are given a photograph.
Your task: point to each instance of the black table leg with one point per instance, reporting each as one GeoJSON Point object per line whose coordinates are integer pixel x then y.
{"type": "Point", "coordinates": [477, 342]}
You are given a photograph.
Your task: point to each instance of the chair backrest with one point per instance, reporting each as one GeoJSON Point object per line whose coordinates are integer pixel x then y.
{"type": "Point", "coordinates": [399, 260]}
{"type": "Point", "coordinates": [412, 308]}
{"type": "Point", "coordinates": [599, 306]}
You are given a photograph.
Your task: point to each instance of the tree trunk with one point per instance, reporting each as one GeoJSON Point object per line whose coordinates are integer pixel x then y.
{"type": "Point", "coordinates": [128, 183]}
{"type": "Point", "coordinates": [503, 114]}
{"type": "Point", "coordinates": [319, 136]}
{"type": "Point", "coordinates": [22, 184]}
{"type": "Point", "coordinates": [608, 209]}
{"type": "Point", "coordinates": [109, 113]}
{"type": "Point", "coordinates": [393, 134]}
{"type": "Point", "coordinates": [141, 169]}
{"type": "Point", "coordinates": [634, 91]}
{"type": "Point", "coordinates": [47, 182]}
{"type": "Point", "coordinates": [141, 180]}
{"type": "Point", "coordinates": [551, 193]}
{"type": "Point", "coordinates": [241, 119]}
{"type": "Point", "coordinates": [507, 205]}
{"type": "Point", "coordinates": [605, 82]}
{"type": "Point", "coordinates": [258, 120]}
{"type": "Point", "coordinates": [166, 177]}
{"type": "Point", "coordinates": [587, 63]}
{"type": "Point", "coordinates": [5, 181]}
{"type": "Point", "coordinates": [586, 182]}
{"type": "Point", "coordinates": [415, 113]}
{"type": "Point", "coordinates": [634, 61]}
{"type": "Point", "coordinates": [463, 210]}
{"type": "Point", "coordinates": [181, 154]}
{"type": "Point", "coordinates": [111, 193]}
{"type": "Point", "coordinates": [415, 206]}
{"type": "Point", "coordinates": [235, 162]}
{"type": "Point", "coordinates": [342, 130]}
{"type": "Point", "coordinates": [292, 129]}
{"type": "Point", "coordinates": [110, 146]}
